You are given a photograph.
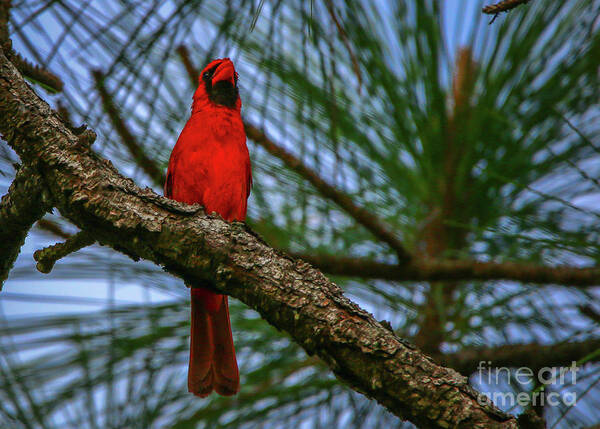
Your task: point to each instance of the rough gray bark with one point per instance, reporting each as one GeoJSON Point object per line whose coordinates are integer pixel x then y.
{"type": "Point", "coordinates": [288, 293]}
{"type": "Point", "coordinates": [20, 208]}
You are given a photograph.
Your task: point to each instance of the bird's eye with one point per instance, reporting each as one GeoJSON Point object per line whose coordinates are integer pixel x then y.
{"type": "Point", "coordinates": [208, 74]}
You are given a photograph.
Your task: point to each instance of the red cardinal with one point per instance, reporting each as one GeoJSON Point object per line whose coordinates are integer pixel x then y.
{"type": "Point", "coordinates": [210, 165]}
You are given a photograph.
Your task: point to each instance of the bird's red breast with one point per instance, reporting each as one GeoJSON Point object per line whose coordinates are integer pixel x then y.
{"type": "Point", "coordinates": [210, 164]}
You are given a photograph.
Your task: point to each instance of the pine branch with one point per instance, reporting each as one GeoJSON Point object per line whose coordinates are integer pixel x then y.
{"type": "Point", "coordinates": [206, 250]}
{"type": "Point", "coordinates": [33, 72]}
{"type": "Point", "coordinates": [359, 214]}
{"type": "Point", "coordinates": [453, 270]}
{"type": "Point", "coordinates": [136, 151]}
{"type": "Point", "coordinates": [362, 216]}
{"type": "Point", "coordinates": [533, 356]}
{"type": "Point", "coordinates": [436, 234]}
{"type": "Point", "coordinates": [37, 73]}
{"type": "Point", "coordinates": [20, 208]}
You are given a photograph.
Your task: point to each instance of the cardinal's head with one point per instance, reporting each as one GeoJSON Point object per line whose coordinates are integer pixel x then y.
{"type": "Point", "coordinates": [218, 86]}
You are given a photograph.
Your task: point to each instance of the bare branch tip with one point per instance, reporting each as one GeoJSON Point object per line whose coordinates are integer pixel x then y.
{"type": "Point", "coordinates": [48, 256]}
{"type": "Point", "coordinates": [502, 6]}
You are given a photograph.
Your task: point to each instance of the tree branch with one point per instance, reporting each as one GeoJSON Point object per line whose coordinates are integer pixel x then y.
{"type": "Point", "coordinates": [20, 208]}
{"type": "Point", "coordinates": [359, 214]}
{"type": "Point", "coordinates": [533, 356]}
{"type": "Point", "coordinates": [438, 270]}
{"type": "Point", "coordinates": [206, 250]}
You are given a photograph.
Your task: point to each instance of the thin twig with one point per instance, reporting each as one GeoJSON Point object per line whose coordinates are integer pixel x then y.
{"type": "Point", "coordinates": [573, 127]}
{"type": "Point", "coordinates": [256, 15]}
{"type": "Point", "coordinates": [345, 41]}
{"type": "Point", "coordinates": [53, 228]}
{"type": "Point", "coordinates": [47, 257]}
{"type": "Point", "coordinates": [534, 356]}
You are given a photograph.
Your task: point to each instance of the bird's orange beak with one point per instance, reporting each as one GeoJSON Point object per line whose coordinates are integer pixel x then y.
{"type": "Point", "coordinates": [225, 72]}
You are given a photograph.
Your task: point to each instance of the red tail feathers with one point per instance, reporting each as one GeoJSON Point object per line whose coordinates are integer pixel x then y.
{"type": "Point", "coordinates": [213, 365]}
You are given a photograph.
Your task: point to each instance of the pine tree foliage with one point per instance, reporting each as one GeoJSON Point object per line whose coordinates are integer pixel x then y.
{"type": "Point", "coordinates": [467, 140]}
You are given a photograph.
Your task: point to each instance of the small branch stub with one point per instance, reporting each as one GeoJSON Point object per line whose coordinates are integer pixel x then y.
{"type": "Point", "coordinates": [85, 135]}
{"type": "Point", "coordinates": [52, 228]}
{"type": "Point", "coordinates": [47, 257]}
{"type": "Point", "coordinates": [503, 6]}
{"type": "Point", "coordinates": [39, 74]}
